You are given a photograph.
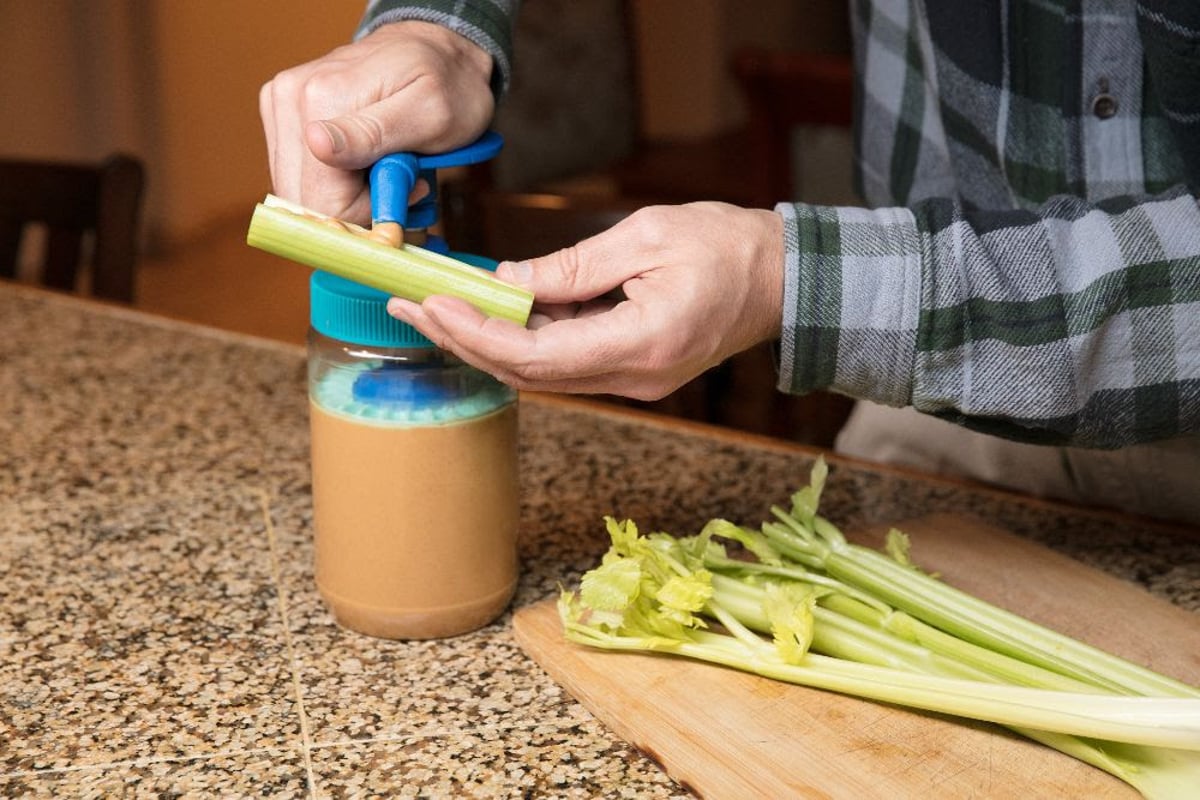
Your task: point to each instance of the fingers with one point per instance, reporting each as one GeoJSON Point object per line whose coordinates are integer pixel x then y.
{"type": "Point", "coordinates": [288, 106]}
{"type": "Point", "coordinates": [280, 134]}
{"type": "Point", "coordinates": [592, 268]}
{"type": "Point", "coordinates": [586, 354]}
{"type": "Point", "coordinates": [266, 112]}
{"type": "Point", "coordinates": [355, 140]}
{"type": "Point", "coordinates": [418, 115]}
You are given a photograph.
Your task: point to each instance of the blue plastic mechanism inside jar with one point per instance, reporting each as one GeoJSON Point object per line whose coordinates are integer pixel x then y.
{"type": "Point", "coordinates": [380, 393]}
{"type": "Point", "coordinates": [399, 384]}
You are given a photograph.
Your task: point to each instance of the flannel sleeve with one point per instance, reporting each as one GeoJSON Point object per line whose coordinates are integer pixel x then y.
{"type": "Point", "coordinates": [487, 23]}
{"type": "Point", "coordinates": [1073, 324]}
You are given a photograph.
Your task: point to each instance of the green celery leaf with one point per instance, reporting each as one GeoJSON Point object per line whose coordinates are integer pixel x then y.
{"type": "Point", "coordinates": [898, 547]}
{"type": "Point", "coordinates": [789, 608]}
{"type": "Point", "coordinates": [612, 586]}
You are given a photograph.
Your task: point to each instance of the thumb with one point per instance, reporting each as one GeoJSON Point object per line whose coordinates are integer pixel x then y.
{"type": "Point", "coordinates": [351, 141]}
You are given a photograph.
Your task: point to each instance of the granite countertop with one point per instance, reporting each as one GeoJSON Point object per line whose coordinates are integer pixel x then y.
{"type": "Point", "coordinates": [160, 634]}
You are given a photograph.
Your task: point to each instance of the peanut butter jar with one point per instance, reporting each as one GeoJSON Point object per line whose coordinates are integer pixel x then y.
{"type": "Point", "coordinates": [414, 473]}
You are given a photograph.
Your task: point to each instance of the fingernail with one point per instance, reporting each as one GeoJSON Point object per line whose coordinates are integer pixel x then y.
{"type": "Point", "coordinates": [337, 139]}
{"type": "Point", "coordinates": [520, 272]}
{"type": "Point", "coordinates": [395, 308]}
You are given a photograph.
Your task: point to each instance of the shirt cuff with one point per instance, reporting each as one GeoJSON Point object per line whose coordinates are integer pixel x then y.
{"type": "Point", "coordinates": [851, 303]}
{"type": "Point", "coordinates": [488, 23]}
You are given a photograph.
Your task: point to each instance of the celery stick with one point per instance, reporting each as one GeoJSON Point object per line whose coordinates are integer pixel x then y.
{"type": "Point", "coordinates": [974, 620]}
{"type": "Point", "coordinates": [408, 271]}
{"type": "Point", "coordinates": [959, 613]}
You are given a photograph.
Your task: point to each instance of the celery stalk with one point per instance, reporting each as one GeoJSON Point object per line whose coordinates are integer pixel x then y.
{"type": "Point", "coordinates": [806, 606]}
{"type": "Point", "coordinates": [410, 272]}
{"type": "Point", "coordinates": [957, 612]}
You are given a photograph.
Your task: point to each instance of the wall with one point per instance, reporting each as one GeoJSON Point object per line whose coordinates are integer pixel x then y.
{"type": "Point", "coordinates": [214, 57]}
{"type": "Point", "coordinates": [173, 82]}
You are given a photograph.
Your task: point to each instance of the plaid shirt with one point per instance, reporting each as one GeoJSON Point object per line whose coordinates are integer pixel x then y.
{"type": "Point", "coordinates": [1031, 265]}
{"type": "Point", "coordinates": [487, 23]}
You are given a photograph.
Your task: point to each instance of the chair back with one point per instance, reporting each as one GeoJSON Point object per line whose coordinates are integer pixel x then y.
{"type": "Point", "coordinates": [90, 213]}
{"type": "Point", "coordinates": [785, 90]}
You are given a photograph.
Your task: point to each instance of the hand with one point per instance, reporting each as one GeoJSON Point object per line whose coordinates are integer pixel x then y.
{"type": "Point", "coordinates": [637, 311]}
{"type": "Point", "coordinates": [408, 86]}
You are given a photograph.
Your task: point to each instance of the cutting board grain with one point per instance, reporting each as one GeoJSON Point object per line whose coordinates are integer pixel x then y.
{"type": "Point", "coordinates": [725, 734]}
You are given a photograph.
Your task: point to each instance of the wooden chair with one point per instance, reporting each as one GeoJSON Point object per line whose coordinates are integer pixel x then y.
{"type": "Point", "coordinates": [786, 90]}
{"type": "Point", "coordinates": [90, 213]}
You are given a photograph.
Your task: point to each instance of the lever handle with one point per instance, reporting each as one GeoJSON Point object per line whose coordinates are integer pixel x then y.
{"type": "Point", "coordinates": [393, 177]}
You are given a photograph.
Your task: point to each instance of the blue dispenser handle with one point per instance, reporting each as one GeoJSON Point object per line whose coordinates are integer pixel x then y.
{"type": "Point", "coordinates": [393, 177]}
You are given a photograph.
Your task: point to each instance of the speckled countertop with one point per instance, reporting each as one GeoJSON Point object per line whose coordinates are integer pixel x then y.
{"type": "Point", "coordinates": [160, 634]}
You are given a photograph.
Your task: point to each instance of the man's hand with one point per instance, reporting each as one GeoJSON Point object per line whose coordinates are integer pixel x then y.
{"type": "Point", "coordinates": [637, 311]}
{"type": "Point", "coordinates": [408, 86]}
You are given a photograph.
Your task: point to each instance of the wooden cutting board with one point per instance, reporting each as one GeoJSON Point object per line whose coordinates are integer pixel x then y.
{"type": "Point", "coordinates": [726, 734]}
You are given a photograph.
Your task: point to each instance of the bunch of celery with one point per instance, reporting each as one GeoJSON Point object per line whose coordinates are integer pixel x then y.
{"type": "Point", "coordinates": [803, 604]}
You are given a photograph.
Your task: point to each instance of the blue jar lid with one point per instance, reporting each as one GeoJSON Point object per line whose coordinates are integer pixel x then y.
{"type": "Point", "coordinates": [351, 312]}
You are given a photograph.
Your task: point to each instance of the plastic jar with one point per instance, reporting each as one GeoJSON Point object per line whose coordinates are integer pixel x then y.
{"type": "Point", "coordinates": [414, 473]}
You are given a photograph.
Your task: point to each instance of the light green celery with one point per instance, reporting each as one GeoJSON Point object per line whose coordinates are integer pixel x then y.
{"type": "Point", "coordinates": [838, 630]}
{"type": "Point", "coordinates": [849, 629]}
{"type": "Point", "coordinates": [854, 602]}
{"type": "Point", "coordinates": [991, 662]}
{"type": "Point", "coordinates": [956, 612]}
{"type": "Point", "coordinates": [1156, 772]}
{"type": "Point", "coordinates": [1158, 722]}
{"type": "Point", "coordinates": [959, 613]}
{"type": "Point", "coordinates": [413, 273]}
{"type": "Point", "coordinates": [715, 558]}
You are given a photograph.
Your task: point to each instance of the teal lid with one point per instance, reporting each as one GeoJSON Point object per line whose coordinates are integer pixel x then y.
{"type": "Point", "coordinates": [351, 312]}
